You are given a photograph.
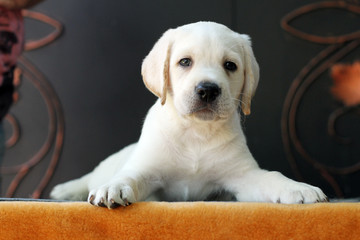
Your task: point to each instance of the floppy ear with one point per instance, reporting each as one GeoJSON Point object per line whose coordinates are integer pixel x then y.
{"type": "Point", "coordinates": [251, 75]}
{"type": "Point", "coordinates": [155, 67]}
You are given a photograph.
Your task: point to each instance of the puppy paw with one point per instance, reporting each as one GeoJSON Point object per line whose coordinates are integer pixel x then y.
{"type": "Point", "coordinates": [296, 192]}
{"type": "Point", "coordinates": [59, 192]}
{"type": "Point", "coordinates": [112, 196]}
{"type": "Point", "coordinates": [69, 191]}
{"type": "Point", "coordinates": [277, 188]}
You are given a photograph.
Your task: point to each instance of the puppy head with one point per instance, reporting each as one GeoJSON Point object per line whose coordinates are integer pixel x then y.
{"type": "Point", "coordinates": [205, 68]}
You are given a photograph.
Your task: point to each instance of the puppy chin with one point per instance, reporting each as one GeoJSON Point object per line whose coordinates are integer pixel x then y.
{"type": "Point", "coordinates": [199, 111]}
{"type": "Point", "coordinates": [205, 115]}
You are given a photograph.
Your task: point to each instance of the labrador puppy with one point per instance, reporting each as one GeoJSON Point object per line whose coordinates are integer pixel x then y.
{"type": "Point", "coordinates": [192, 145]}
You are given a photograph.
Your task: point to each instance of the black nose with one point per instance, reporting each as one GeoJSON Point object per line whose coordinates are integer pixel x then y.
{"type": "Point", "coordinates": [207, 91]}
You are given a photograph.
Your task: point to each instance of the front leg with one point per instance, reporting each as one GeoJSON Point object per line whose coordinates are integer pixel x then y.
{"type": "Point", "coordinates": [123, 190]}
{"type": "Point", "coordinates": [264, 186]}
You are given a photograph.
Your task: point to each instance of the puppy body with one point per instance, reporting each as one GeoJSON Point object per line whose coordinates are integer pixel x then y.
{"type": "Point", "coordinates": [192, 144]}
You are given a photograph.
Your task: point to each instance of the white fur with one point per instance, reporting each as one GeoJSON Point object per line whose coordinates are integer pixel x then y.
{"type": "Point", "coordinates": [189, 150]}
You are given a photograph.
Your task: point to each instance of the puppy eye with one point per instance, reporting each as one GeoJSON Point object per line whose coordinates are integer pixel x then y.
{"type": "Point", "coordinates": [230, 66]}
{"type": "Point", "coordinates": [185, 62]}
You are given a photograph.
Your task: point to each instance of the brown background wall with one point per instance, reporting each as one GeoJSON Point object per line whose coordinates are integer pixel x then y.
{"type": "Point", "coordinates": [94, 67]}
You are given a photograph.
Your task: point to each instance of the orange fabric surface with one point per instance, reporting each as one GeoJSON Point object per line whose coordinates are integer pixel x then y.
{"type": "Point", "coordinates": [196, 220]}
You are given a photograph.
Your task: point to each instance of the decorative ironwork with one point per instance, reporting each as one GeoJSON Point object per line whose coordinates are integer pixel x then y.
{"type": "Point", "coordinates": [339, 47]}
{"type": "Point", "coordinates": [56, 126]}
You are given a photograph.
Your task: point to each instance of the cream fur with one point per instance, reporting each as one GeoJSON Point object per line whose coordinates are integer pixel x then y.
{"type": "Point", "coordinates": [189, 150]}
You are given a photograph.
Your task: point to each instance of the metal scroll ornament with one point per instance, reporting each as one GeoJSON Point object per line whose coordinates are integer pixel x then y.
{"type": "Point", "coordinates": [336, 48]}
{"type": "Point", "coordinates": [54, 141]}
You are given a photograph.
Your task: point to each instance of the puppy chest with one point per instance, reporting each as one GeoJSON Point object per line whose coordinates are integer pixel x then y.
{"type": "Point", "coordinates": [193, 158]}
{"type": "Point", "coordinates": [186, 190]}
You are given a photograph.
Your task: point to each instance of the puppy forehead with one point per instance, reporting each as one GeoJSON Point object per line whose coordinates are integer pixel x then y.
{"type": "Point", "coordinates": [205, 28]}
{"type": "Point", "coordinates": [206, 38]}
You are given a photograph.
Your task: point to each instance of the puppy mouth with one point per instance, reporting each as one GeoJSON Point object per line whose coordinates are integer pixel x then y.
{"type": "Point", "coordinates": [206, 108]}
{"type": "Point", "coordinates": [205, 112]}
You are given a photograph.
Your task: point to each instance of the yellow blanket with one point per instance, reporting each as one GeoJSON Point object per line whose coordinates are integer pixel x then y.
{"type": "Point", "coordinates": [190, 220]}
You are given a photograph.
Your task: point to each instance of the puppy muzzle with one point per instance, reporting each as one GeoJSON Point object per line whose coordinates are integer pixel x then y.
{"type": "Point", "coordinates": [206, 104]}
{"type": "Point", "coordinates": [207, 92]}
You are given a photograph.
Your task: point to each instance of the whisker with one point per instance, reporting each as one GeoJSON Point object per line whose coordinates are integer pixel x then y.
{"type": "Point", "coordinates": [237, 100]}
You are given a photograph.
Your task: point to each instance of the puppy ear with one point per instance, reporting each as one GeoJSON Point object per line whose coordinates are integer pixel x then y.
{"type": "Point", "coordinates": [251, 75]}
{"type": "Point", "coordinates": [155, 67]}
